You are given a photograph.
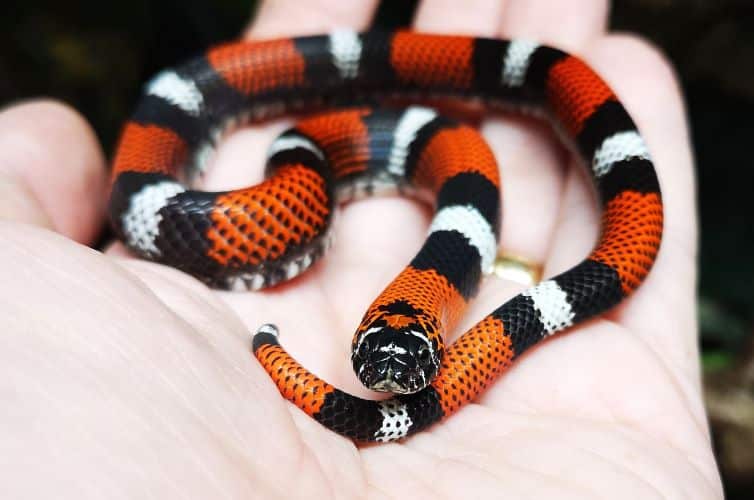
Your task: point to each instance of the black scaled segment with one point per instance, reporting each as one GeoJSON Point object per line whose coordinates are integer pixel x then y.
{"type": "Point", "coordinates": [263, 338]}
{"type": "Point", "coordinates": [423, 407]}
{"type": "Point", "coordinates": [451, 255]}
{"type": "Point", "coordinates": [380, 124]}
{"type": "Point", "coordinates": [520, 322]}
{"type": "Point", "coordinates": [401, 307]}
{"type": "Point", "coordinates": [540, 63]}
{"type": "Point", "coordinates": [591, 288]}
{"type": "Point", "coordinates": [376, 73]}
{"type": "Point", "coordinates": [320, 70]}
{"type": "Point", "coordinates": [219, 100]}
{"type": "Point", "coordinates": [154, 110]}
{"type": "Point", "coordinates": [362, 420]}
{"type": "Point", "coordinates": [609, 119]}
{"type": "Point", "coordinates": [487, 60]}
{"type": "Point", "coordinates": [300, 155]}
{"type": "Point", "coordinates": [353, 417]}
{"type": "Point", "coordinates": [182, 238]}
{"type": "Point", "coordinates": [634, 174]}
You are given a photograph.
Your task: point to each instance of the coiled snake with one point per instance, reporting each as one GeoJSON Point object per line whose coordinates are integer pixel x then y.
{"type": "Point", "coordinates": [259, 236]}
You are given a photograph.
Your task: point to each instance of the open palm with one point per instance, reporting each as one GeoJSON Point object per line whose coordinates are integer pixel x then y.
{"type": "Point", "coordinates": [123, 378]}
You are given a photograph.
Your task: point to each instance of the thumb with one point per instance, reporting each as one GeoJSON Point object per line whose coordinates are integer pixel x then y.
{"type": "Point", "coordinates": [52, 171]}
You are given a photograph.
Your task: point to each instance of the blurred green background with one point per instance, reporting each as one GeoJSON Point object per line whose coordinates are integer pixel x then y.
{"type": "Point", "coordinates": [95, 56]}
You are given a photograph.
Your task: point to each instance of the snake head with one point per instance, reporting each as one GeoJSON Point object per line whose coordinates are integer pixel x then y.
{"type": "Point", "coordinates": [401, 361]}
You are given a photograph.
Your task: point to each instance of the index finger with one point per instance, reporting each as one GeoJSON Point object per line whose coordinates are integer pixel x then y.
{"type": "Point", "coordinates": [292, 17]}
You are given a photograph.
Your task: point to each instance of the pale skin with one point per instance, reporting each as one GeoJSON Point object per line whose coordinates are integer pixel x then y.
{"type": "Point", "coordinates": [121, 378]}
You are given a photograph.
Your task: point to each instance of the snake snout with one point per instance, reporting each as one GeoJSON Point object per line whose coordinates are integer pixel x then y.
{"type": "Point", "coordinates": [394, 361]}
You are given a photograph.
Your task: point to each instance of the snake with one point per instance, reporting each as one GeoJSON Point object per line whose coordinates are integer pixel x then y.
{"type": "Point", "coordinates": [260, 236]}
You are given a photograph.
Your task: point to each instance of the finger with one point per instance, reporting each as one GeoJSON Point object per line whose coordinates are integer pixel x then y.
{"type": "Point", "coordinates": [476, 17]}
{"type": "Point", "coordinates": [577, 226]}
{"type": "Point", "coordinates": [292, 17]}
{"type": "Point", "coordinates": [531, 159]}
{"type": "Point", "coordinates": [532, 178]}
{"type": "Point", "coordinates": [52, 170]}
{"type": "Point", "coordinates": [567, 25]}
{"type": "Point", "coordinates": [662, 309]}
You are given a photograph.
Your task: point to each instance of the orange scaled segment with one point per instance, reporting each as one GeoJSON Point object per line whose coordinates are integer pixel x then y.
{"type": "Point", "coordinates": [433, 60]}
{"type": "Point", "coordinates": [472, 363]}
{"type": "Point", "coordinates": [574, 92]}
{"type": "Point", "coordinates": [255, 67]}
{"type": "Point", "coordinates": [262, 222]}
{"type": "Point", "coordinates": [149, 149]}
{"type": "Point", "coordinates": [454, 151]}
{"type": "Point", "coordinates": [344, 138]}
{"type": "Point", "coordinates": [427, 290]}
{"type": "Point", "coordinates": [632, 228]}
{"type": "Point", "coordinates": [295, 383]}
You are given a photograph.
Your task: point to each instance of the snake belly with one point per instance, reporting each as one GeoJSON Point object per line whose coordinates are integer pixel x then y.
{"type": "Point", "coordinates": [210, 235]}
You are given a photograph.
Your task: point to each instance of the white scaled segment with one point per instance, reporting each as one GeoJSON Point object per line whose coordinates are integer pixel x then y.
{"type": "Point", "coordinates": [516, 62]}
{"type": "Point", "coordinates": [142, 219]}
{"type": "Point", "coordinates": [254, 281]}
{"type": "Point", "coordinates": [306, 261]}
{"type": "Point", "coordinates": [618, 147]}
{"type": "Point", "coordinates": [237, 284]}
{"type": "Point", "coordinates": [412, 121]}
{"type": "Point", "coordinates": [292, 270]}
{"type": "Point", "coordinates": [395, 421]}
{"type": "Point", "coordinates": [551, 301]}
{"type": "Point", "coordinates": [268, 328]}
{"type": "Point", "coordinates": [286, 143]}
{"type": "Point", "coordinates": [177, 90]}
{"type": "Point", "coordinates": [468, 221]}
{"type": "Point", "coordinates": [345, 47]}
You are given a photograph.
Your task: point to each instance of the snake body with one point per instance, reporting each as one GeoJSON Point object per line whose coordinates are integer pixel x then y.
{"type": "Point", "coordinates": [260, 236]}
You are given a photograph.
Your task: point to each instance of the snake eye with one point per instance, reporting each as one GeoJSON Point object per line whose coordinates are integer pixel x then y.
{"type": "Point", "coordinates": [424, 356]}
{"type": "Point", "coordinates": [364, 349]}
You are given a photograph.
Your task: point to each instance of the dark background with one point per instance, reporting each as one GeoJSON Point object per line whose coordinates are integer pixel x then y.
{"type": "Point", "coordinates": [95, 56]}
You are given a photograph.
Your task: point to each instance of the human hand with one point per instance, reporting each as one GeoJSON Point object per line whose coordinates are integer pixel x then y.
{"type": "Point", "coordinates": [124, 377]}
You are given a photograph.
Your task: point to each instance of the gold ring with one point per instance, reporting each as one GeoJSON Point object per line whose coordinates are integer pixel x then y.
{"type": "Point", "coordinates": [517, 269]}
